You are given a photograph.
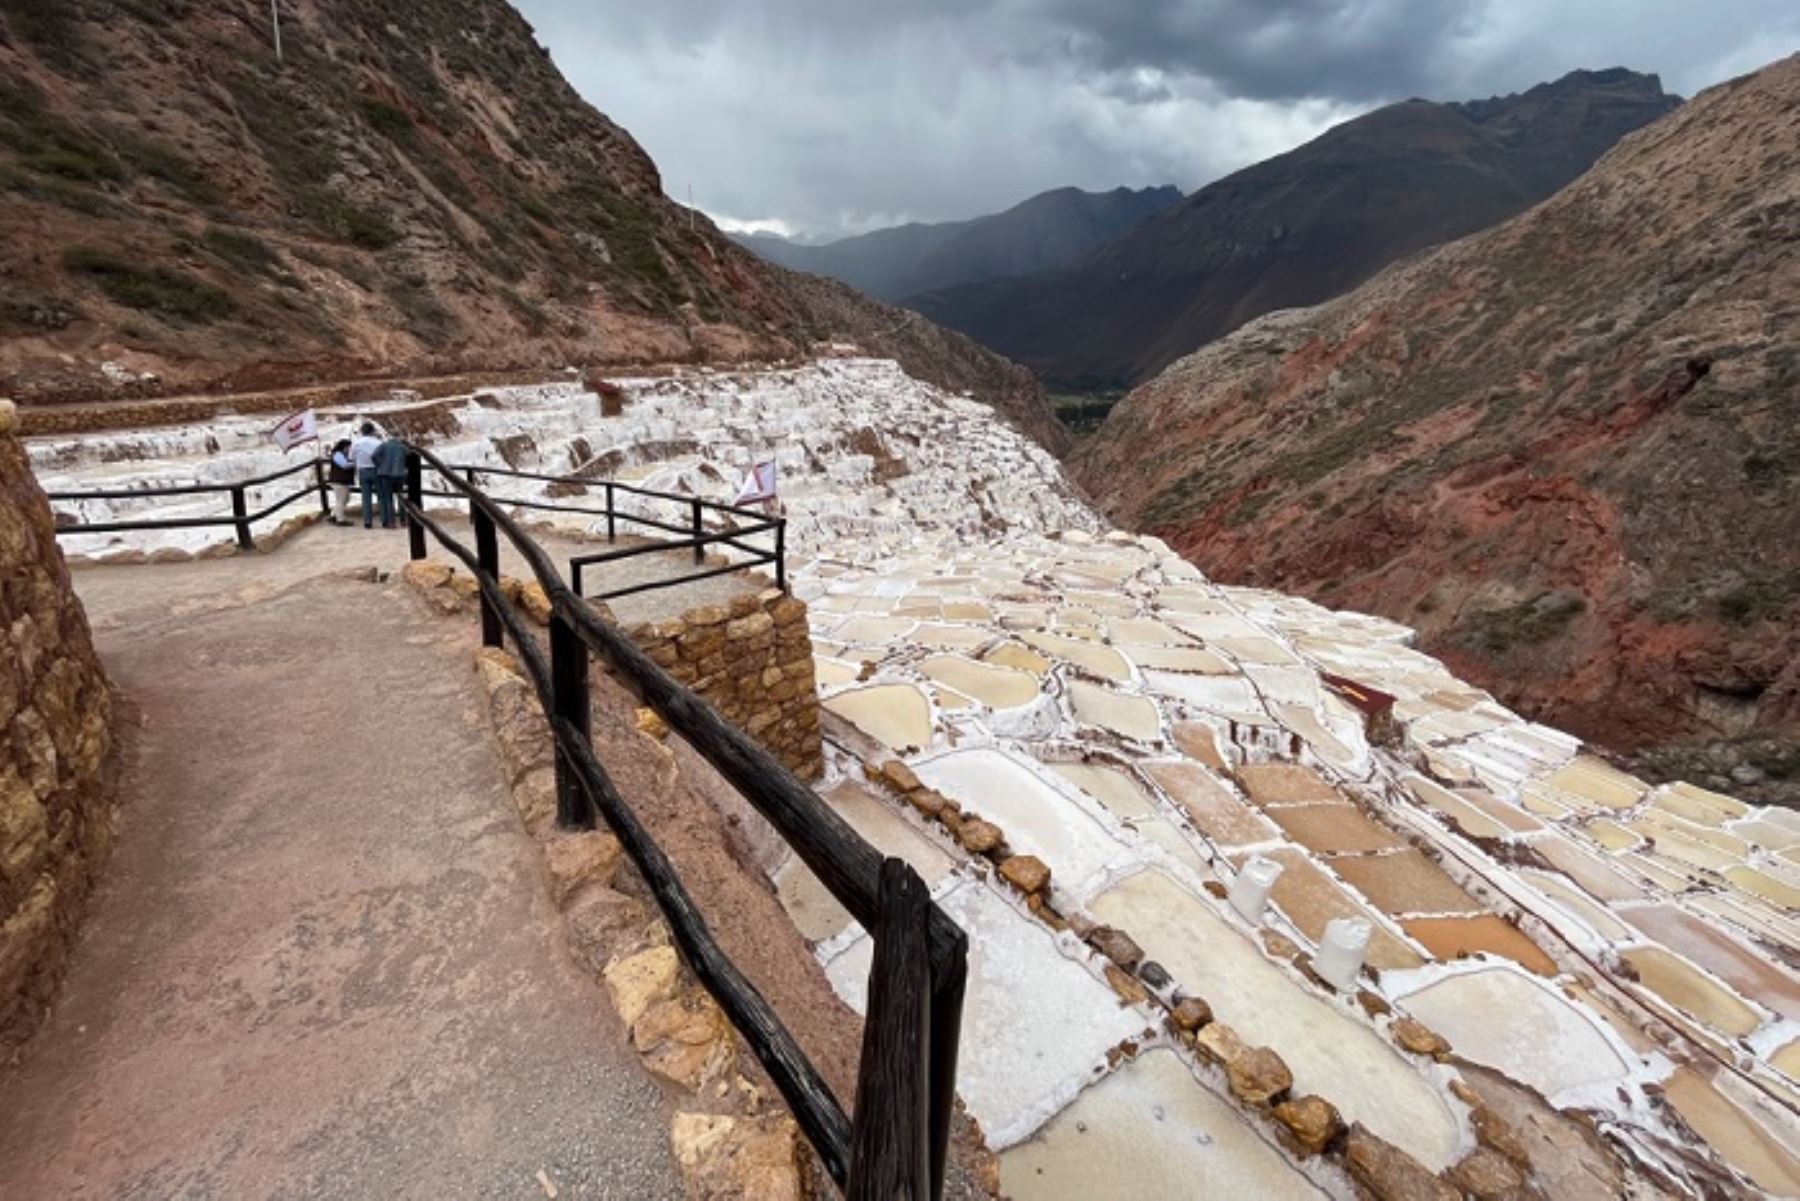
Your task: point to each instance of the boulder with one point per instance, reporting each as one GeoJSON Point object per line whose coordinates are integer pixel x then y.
{"type": "Point", "coordinates": [1389, 1174]}
{"type": "Point", "coordinates": [1419, 1038]}
{"type": "Point", "coordinates": [1219, 1043]}
{"type": "Point", "coordinates": [535, 602]}
{"type": "Point", "coordinates": [737, 1159]}
{"type": "Point", "coordinates": [1117, 946]}
{"type": "Point", "coordinates": [686, 1041]}
{"type": "Point", "coordinates": [979, 837]}
{"type": "Point", "coordinates": [1258, 1076]}
{"type": "Point", "coordinates": [1190, 1013]}
{"type": "Point", "coordinates": [898, 776]}
{"type": "Point", "coordinates": [1027, 873]}
{"type": "Point", "coordinates": [426, 574]}
{"type": "Point", "coordinates": [1126, 986]}
{"type": "Point", "coordinates": [641, 980]}
{"type": "Point", "coordinates": [1311, 1120]}
{"type": "Point", "coordinates": [595, 917]}
{"type": "Point", "coordinates": [575, 859]}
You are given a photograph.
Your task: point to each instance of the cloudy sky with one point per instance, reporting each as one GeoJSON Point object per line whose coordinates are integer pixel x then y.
{"type": "Point", "coordinates": [828, 117]}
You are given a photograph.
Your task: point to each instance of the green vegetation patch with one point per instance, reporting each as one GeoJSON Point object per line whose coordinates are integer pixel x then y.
{"type": "Point", "coordinates": [241, 249]}
{"type": "Point", "coordinates": [345, 221]}
{"type": "Point", "coordinates": [1525, 625]}
{"type": "Point", "coordinates": [158, 290]}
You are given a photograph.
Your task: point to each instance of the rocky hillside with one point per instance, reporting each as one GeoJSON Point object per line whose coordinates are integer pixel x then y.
{"type": "Point", "coordinates": [1300, 228]}
{"type": "Point", "coordinates": [1567, 449]}
{"type": "Point", "coordinates": [409, 187]}
{"type": "Point", "coordinates": [1045, 233]}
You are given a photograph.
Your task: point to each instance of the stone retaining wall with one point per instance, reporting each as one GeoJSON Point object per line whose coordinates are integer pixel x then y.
{"type": "Point", "coordinates": [57, 778]}
{"type": "Point", "coordinates": [752, 660]}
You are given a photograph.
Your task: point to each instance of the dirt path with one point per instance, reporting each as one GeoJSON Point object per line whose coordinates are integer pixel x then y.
{"type": "Point", "coordinates": [322, 962]}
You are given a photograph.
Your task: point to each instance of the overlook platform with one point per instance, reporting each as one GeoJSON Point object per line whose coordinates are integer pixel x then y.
{"type": "Point", "coordinates": [290, 982]}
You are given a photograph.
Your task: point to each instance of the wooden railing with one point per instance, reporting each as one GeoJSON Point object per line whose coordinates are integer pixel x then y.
{"type": "Point", "coordinates": [691, 534]}
{"type": "Point", "coordinates": [240, 518]}
{"type": "Point", "coordinates": [896, 1143]}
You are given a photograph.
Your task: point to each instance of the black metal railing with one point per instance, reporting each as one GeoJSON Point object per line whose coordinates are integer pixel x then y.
{"type": "Point", "coordinates": [240, 517]}
{"type": "Point", "coordinates": [896, 1144]}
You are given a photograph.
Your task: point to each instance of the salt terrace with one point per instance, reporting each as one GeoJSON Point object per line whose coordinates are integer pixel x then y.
{"type": "Point", "coordinates": [1547, 935]}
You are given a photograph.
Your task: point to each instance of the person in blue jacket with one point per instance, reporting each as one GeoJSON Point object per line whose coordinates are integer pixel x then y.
{"type": "Point", "coordinates": [390, 478]}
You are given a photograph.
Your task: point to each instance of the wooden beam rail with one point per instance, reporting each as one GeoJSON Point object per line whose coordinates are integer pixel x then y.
{"type": "Point", "coordinates": [852, 870]}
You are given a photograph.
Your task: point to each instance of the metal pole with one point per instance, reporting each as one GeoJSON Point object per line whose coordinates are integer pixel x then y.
{"type": "Point", "coordinates": [781, 555]}
{"type": "Point", "coordinates": [569, 688]}
{"type": "Point", "coordinates": [699, 551]}
{"type": "Point", "coordinates": [324, 498]}
{"type": "Point", "coordinates": [612, 529]}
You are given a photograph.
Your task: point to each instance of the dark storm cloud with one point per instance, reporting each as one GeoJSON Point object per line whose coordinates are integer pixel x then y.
{"type": "Point", "coordinates": [837, 115]}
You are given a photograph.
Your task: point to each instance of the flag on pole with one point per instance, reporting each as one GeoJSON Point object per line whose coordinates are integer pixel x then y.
{"type": "Point", "coordinates": [758, 486]}
{"type": "Point", "coordinates": [301, 427]}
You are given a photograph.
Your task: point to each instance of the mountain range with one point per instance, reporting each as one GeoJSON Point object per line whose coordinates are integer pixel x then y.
{"type": "Point", "coordinates": [1047, 232]}
{"type": "Point", "coordinates": [1566, 450]}
{"type": "Point", "coordinates": [1299, 228]}
{"type": "Point", "coordinates": [407, 187]}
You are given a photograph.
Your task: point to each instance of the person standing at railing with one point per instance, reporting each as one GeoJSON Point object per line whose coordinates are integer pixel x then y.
{"type": "Point", "coordinates": [362, 456]}
{"type": "Point", "coordinates": [390, 477]}
{"type": "Point", "coordinates": [342, 473]}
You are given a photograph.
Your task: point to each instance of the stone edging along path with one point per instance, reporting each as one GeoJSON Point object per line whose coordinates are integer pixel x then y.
{"type": "Point", "coordinates": [729, 1139]}
{"type": "Point", "coordinates": [732, 1138]}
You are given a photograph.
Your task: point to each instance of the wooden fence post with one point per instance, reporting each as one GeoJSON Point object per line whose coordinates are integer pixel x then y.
{"type": "Point", "coordinates": [240, 512]}
{"type": "Point", "coordinates": [415, 532]}
{"type": "Point", "coordinates": [487, 551]}
{"type": "Point", "coordinates": [890, 1136]}
{"type": "Point", "coordinates": [947, 988]}
{"type": "Point", "coordinates": [324, 495]}
{"type": "Point", "coordinates": [569, 686]}
{"type": "Point", "coordinates": [781, 555]}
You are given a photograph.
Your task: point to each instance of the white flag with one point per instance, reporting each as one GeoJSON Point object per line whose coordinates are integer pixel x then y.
{"type": "Point", "coordinates": [301, 427]}
{"type": "Point", "coordinates": [758, 486]}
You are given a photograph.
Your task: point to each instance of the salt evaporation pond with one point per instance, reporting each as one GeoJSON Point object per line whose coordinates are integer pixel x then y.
{"type": "Point", "coordinates": [1035, 1024]}
{"type": "Point", "coordinates": [1516, 1025]}
{"type": "Point", "coordinates": [1038, 819]}
{"type": "Point", "coordinates": [898, 715]}
{"type": "Point", "coordinates": [1149, 1130]}
{"type": "Point", "coordinates": [1328, 1052]}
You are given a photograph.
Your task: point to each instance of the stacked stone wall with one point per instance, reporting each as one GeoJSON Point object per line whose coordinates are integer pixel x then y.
{"type": "Point", "coordinates": [752, 660]}
{"type": "Point", "coordinates": [57, 777]}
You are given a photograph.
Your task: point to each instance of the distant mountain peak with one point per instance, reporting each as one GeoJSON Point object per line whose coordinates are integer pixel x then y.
{"type": "Point", "coordinates": [1043, 232]}
{"type": "Point", "coordinates": [1362, 194]}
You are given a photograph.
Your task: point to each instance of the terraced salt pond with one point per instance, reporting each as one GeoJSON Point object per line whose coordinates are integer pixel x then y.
{"type": "Point", "coordinates": [1149, 1130]}
{"type": "Point", "coordinates": [1128, 720]}
{"type": "Point", "coordinates": [1329, 1052]}
{"type": "Point", "coordinates": [1513, 1023]}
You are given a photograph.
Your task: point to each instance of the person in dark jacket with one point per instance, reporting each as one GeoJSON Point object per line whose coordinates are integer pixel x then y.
{"type": "Point", "coordinates": [390, 477]}
{"type": "Point", "coordinates": [342, 473]}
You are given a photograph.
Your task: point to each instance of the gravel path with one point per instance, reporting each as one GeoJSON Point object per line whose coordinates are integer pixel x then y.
{"type": "Point", "coordinates": [322, 961]}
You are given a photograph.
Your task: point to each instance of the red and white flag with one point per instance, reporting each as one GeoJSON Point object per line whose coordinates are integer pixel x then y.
{"type": "Point", "coordinates": [758, 486]}
{"type": "Point", "coordinates": [301, 427]}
